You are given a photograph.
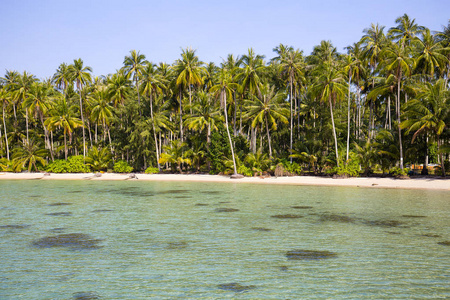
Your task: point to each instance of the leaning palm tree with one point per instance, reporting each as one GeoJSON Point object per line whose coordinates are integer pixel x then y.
{"type": "Point", "coordinates": [267, 109]}
{"type": "Point", "coordinates": [81, 75]}
{"type": "Point", "coordinates": [224, 89]}
{"type": "Point", "coordinates": [133, 65]}
{"type": "Point", "coordinates": [428, 113]}
{"type": "Point", "coordinates": [5, 99]}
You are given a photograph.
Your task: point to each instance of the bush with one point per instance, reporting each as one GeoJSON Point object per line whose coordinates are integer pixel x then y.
{"type": "Point", "coordinates": [5, 165]}
{"type": "Point", "coordinates": [74, 164]}
{"type": "Point", "coordinates": [245, 171]}
{"type": "Point", "coordinates": [151, 170]}
{"type": "Point", "coordinates": [293, 168]}
{"type": "Point", "coordinates": [122, 167]}
{"type": "Point", "coordinates": [399, 172]}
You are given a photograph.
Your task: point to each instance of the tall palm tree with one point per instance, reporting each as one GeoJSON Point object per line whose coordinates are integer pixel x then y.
{"type": "Point", "coordinates": [291, 65]}
{"type": "Point", "coordinates": [5, 99]}
{"type": "Point", "coordinates": [118, 88]}
{"type": "Point", "coordinates": [133, 65]}
{"type": "Point", "coordinates": [62, 115]}
{"type": "Point", "coordinates": [21, 90]}
{"type": "Point", "coordinates": [431, 54]}
{"type": "Point", "coordinates": [429, 112]}
{"type": "Point", "coordinates": [398, 61]}
{"type": "Point", "coordinates": [189, 72]}
{"type": "Point", "coordinates": [224, 89]}
{"type": "Point", "coordinates": [268, 109]}
{"type": "Point", "coordinates": [330, 86]}
{"type": "Point", "coordinates": [62, 77]}
{"type": "Point", "coordinates": [405, 31]}
{"type": "Point", "coordinates": [102, 111]}
{"type": "Point", "coordinates": [81, 75]}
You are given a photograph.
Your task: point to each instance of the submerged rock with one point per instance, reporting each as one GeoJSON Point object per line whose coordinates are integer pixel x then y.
{"type": "Point", "coordinates": [177, 245]}
{"type": "Point", "coordinates": [431, 235]}
{"type": "Point", "coordinates": [235, 287]}
{"type": "Point", "coordinates": [102, 210]}
{"type": "Point", "coordinates": [413, 216]}
{"type": "Point", "coordinates": [287, 216]}
{"type": "Point", "coordinates": [385, 223]}
{"type": "Point", "coordinates": [71, 240]}
{"type": "Point", "coordinates": [444, 243]}
{"type": "Point", "coordinates": [85, 296]}
{"type": "Point", "coordinates": [261, 229]}
{"type": "Point", "coordinates": [224, 209]}
{"type": "Point", "coordinates": [336, 218]}
{"type": "Point", "coordinates": [309, 254]}
{"type": "Point", "coordinates": [59, 204]}
{"type": "Point", "coordinates": [60, 214]}
{"type": "Point", "coordinates": [14, 226]}
{"type": "Point", "coordinates": [201, 204]}
{"type": "Point", "coordinates": [301, 207]}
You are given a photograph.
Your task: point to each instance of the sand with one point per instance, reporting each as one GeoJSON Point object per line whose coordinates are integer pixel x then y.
{"type": "Point", "coordinates": [367, 182]}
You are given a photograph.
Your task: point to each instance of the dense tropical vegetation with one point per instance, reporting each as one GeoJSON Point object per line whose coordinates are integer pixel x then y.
{"type": "Point", "coordinates": [382, 106]}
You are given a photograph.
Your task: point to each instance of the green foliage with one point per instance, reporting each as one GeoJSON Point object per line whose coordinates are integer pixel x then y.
{"type": "Point", "coordinates": [74, 164]}
{"type": "Point", "coordinates": [246, 171]}
{"type": "Point", "coordinates": [151, 170]}
{"type": "Point", "coordinates": [123, 167]}
{"type": "Point", "coordinates": [293, 168]}
{"type": "Point", "coordinates": [396, 171]}
{"type": "Point", "coordinates": [217, 150]}
{"type": "Point", "coordinates": [98, 159]}
{"type": "Point", "coordinates": [5, 165]}
{"type": "Point", "coordinates": [351, 168]}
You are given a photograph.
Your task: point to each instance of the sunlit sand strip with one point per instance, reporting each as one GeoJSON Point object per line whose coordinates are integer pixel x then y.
{"type": "Point", "coordinates": [417, 183]}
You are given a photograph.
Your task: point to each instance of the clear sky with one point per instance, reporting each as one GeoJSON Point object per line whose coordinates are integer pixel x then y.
{"type": "Point", "coordinates": [37, 36]}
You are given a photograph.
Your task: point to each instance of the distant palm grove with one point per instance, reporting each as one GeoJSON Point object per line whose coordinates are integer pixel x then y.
{"type": "Point", "coordinates": [380, 108]}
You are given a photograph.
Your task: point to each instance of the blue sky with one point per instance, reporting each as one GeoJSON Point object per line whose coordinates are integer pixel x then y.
{"type": "Point", "coordinates": [37, 36]}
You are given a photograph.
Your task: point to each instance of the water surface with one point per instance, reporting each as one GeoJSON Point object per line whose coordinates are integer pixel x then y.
{"type": "Point", "coordinates": [166, 240]}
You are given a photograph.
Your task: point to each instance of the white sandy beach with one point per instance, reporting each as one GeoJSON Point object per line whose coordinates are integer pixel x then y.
{"type": "Point", "coordinates": [370, 182]}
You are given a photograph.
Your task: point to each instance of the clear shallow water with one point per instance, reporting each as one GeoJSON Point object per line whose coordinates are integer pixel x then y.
{"type": "Point", "coordinates": [165, 240]}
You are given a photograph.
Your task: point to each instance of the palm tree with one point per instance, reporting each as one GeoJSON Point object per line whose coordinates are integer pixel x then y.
{"type": "Point", "coordinates": [118, 88]}
{"type": "Point", "coordinates": [81, 75]}
{"type": "Point", "coordinates": [428, 113]}
{"type": "Point", "coordinates": [62, 77]}
{"type": "Point", "coordinates": [133, 65]}
{"type": "Point", "coordinates": [291, 66]}
{"type": "Point", "coordinates": [63, 115]}
{"type": "Point", "coordinates": [398, 61]}
{"type": "Point", "coordinates": [330, 86]}
{"type": "Point", "coordinates": [101, 112]}
{"type": "Point", "coordinates": [405, 30]}
{"type": "Point", "coordinates": [431, 54]}
{"type": "Point", "coordinates": [175, 154]}
{"type": "Point", "coordinates": [28, 155]}
{"type": "Point", "coordinates": [20, 92]}
{"type": "Point", "coordinates": [224, 89]}
{"type": "Point", "coordinates": [268, 109]}
{"type": "Point", "coordinates": [189, 72]}
{"type": "Point", "coordinates": [5, 99]}
{"type": "Point", "coordinates": [98, 159]}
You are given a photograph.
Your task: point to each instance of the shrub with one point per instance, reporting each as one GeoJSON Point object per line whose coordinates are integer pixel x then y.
{"type": "Point", "coordinates": [122, 167]}
{"type": "Point", "coordinates": [74, 164]}
{"type": "Point", "coordinates": [151, 170]}
{"type": "Point", "coordinates": [245, 171]}
{"type": "Point", "coordinates": [396, 171]}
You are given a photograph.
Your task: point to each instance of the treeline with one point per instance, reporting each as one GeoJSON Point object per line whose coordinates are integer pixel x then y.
{"type": "Point", "coordinates": [383, 105]}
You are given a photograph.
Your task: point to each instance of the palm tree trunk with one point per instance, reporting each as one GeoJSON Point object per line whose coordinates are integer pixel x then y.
{"type": "Point", "coordinates": [190, 99]}
{"type": "Point", "coordinates": [441, 155]}
{"type": "Point", "coordinates": [154, 131]}
{"type": "Point", "coordinates": [181, 120]}
{"type": "Point", "coordinates": [235, 114]}
{"type": "Point", "coordinates": [268, 136]}
{"type": "Point", "coordinates": [26, 120]}
{"type": "Point", "coordinates": [82, 121]}
{"type": "Point", "coordinates": [348, 115]}
{"type": "Point", "coordinates": [398, 119]}
{"type": "Point", "coordinates": [6, 135]}
{"type": "Point", "coordinates": [228, 131]}
{"type": "Point", "coordinates": [334, 131]}
{"type": "Point", "coordinates": [139, 96]}
{"type": "Point", "coordinates": [291, 133]}
{"type": "Point", "coordinates": [66, 151]}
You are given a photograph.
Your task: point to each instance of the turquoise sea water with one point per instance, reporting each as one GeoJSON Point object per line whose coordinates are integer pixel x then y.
{"type": "Point", "coordinates": [168, 240]}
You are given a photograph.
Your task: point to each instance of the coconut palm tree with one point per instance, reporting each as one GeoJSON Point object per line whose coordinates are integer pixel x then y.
{"type": "Point", "coordinates": [5, 99]}
{"type": "Point", "coordinates": [101, 111]}
{"type": "Point", "coordinates": [62, 115]}
{"type": "Point", "coordinates": [175, 154]}
{"type": "Point", "coordinates": [118, 88]}
{"type": "Point", "coordinates": [62, 77]}
{"type": "Point", "coordinates": [431, 54]}
{"type": "Point", "coordinates": [267, 109]}
{"type": "Point", "coordinates": [405, 31]}
{"type": "Point", "coordinates": [189, 72]}
{"type": "Point", "coordinates": [133, 65]}
{"type": "Point", "coordinates": [20, 92]}
{"type": "Point", "coordinates": [291, 67]}
{"type": "Point", "coordinates": [224, 89]}
{"type": "Point", "coordinates": [429, 112]}
{"type": "Point", "coordinates": [28, 156]}
{"type": "Point", "coordinates": [330, 86]}
{"type": "Point", "coordinates": [396, 59]}
{"type": "Point", "coordinates": [82, 76]}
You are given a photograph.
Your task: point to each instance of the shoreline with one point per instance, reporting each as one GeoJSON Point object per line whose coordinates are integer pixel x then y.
{"type": "Point", "coordinates": [367, 182]}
